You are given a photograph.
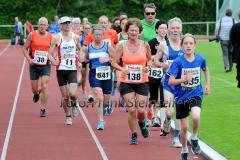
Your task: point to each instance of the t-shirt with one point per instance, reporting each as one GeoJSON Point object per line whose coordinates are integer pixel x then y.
{"type": "Point", "coordinates": [148, 30]}
{"type": "Point", "coordinates": [187, 90]}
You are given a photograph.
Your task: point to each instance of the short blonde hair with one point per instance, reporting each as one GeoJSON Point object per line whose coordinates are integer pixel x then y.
{"type": "Point", "coordinates": [188, 35]}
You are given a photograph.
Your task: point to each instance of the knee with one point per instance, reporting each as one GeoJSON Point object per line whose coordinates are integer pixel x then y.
{"type": "Point", "coordinates": [195, 119]}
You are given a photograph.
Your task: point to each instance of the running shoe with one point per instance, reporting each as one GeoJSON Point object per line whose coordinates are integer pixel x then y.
{"type": "Point", "coordinates": [100, 125]}
{"type": "Point", "coordinates": [155, 122]}
{"type": "Point", "coordinates": [144, 130]}
{"type": "Point", "coordinates": [184, 156]}
{"type": "Point", "coordinates": [109, 109]}
{"type": "Point", "coordinates": [74, 109]}
{"type": "Point", "coordinates": [90, 99]}
{"type": "Point", "coordinates": [176, 142]}
{"type": "Point", "coordinates": [105, 112]}
{"type": "Point", "coordinates": [69, 120]}
{"type": "Point", "coordinates": [195, 147]}
{"type": "Point", "coordinates": [133, 140]}
{"type": "Point", "coordinates": [163, 133]}
{"type": "Point", "coordinates": [42, 113]}
{"type": "Point", "coordinates": [147, 122]}
{"type": "Point", "coordinates": [36, 98]}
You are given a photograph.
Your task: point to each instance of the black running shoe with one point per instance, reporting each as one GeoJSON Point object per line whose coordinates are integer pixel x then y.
{"type": "Point", "coordinates": [184, 156]}
{"type": "Point", "coordinates": [195, 147]}
{"type": "Point", "coordinates": [42, 113]}
{"type": "Point", "coordinates": [144, 130]}
{"type": "Point", "coordinates": [36, 98]}
{"type": "Point", "coordinates": [133, 140]}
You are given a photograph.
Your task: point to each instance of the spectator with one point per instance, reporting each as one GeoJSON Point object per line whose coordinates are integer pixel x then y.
{"type": "Point", "coordinates": [223, 27]}
{"type": "Point", "coordinates": [235, 41]}
{"type": "Point", "coordinates": [18, 30]}
{"type": "Point", "coordinates": [56, 25]}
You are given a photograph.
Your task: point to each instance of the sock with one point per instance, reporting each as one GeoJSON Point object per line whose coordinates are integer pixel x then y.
{"type": "Point", "coordinates": [184, 150]}
{"type": "Point", "coordinates": [194, 136]}
{"type": "Point", "coordinates": [134, 134]}
{"type": "Point", "coordinates": [176, 133]}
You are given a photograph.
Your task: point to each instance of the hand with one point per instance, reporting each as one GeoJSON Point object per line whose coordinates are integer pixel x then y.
{"type": "Point", "coordinates": [124, 71]}
{"type": "Point", "coordinates": [54, 63]}
{"type": "Point", "coordinates": [145, 69]}
{"type": "Point", "coordinates": [103, 60]}
{"type": "Point", "coordinates": [31, 61]}
{"type": "Point", "coordinates": [187, 77]}
{"type": "Point", "coordinates": [207, 89]}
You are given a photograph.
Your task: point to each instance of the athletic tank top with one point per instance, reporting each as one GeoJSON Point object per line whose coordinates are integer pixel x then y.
{"type": "Point", "coordinates": [96, 53]}
{"type": "Point", "coordinates": [67, 54]}
{"type": "Point", "coordinates": [39, 47]}
{"type": "Point", "coordinates": [134, 62]}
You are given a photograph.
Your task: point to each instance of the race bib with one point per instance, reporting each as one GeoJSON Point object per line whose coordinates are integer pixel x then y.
{"type": "Point", "coordinates": [195, 72]}
{"type": "Point", "coordinates": [135, 73]}
{"type": "Point", "coordinates": [103, 73]}
{"type": "Point", "coordinates": [69, 60]}
{"type": "Point", "coordinates": [155, 72]}
{"type": "Point", "coordinates": [40, 57]}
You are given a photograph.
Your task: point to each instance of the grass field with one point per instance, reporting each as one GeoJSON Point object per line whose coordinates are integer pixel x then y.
{"type": "Point", "coordinates": [220, 123]}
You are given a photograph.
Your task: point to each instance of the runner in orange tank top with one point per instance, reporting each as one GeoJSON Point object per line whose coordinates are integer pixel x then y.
{"type": "Point", "coordinates": [35, 51]}
{"type": "Point", "coordinates": [135, 55]}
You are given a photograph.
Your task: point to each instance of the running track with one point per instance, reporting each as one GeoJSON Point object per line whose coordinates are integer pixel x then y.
{"type": "Point", "coordinates": [26, 136]}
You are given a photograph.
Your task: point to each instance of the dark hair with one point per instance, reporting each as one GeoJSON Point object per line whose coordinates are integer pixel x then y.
{"type": "Point", "coordinates": [159, 23]}
{"type": "Point", "coordinates": [135, 21]}
{"type": "Point", "coordinates": [228, 12]}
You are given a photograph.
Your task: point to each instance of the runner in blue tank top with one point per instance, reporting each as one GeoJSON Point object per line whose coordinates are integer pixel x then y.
{"type": "Point", "coordinates": [172, 51]}
{"type": "Point", "coordinates": [99, 54]}
{"type": "Point", "coordinates": [185, 75]}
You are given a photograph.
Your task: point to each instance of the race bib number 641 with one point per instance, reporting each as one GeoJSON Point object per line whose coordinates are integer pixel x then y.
{"type": "Point", "coordinates": [103, 73]}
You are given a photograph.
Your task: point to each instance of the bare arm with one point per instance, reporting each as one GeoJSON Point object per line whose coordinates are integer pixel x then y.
{"type": "Point", "coordinates": [207, 78]}
{"type": "Point", "coordinates": [26, 48]}
{"type": "Point", "coordinates": [173, 81]}
{"type": "Point", "coordinates": [51, 50]}
{"type": "Point", "coordinates": [116, 59]}
{"type": "Point", "coordinates": [78, 45]}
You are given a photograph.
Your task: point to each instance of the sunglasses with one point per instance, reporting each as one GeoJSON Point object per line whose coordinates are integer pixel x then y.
{"type": "Point", "coordinates": [150, 13]}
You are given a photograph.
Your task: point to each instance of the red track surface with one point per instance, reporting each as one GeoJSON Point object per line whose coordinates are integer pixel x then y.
{"type": "Point", "coordinates": [35, 138]}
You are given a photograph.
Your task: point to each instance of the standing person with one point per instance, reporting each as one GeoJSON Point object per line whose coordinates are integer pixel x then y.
{"type": "Point", "coordinates": [149, 22]}
{"type": "Point", "coordinates": [235, 42]}
{"type": "Point", "coordinates": [55, 24]}
{"type": "Point", "coordinates": [29, 26]}
{"type": "Point", "coordinates": [36, 52]}
{"type": "Point", "coordinates": [67, 43]}
{"type": "Point", "coordinates": [222, 31]}
{"type": "Point", "coordinates": [172, 51]}
{"type": "Point", "coordinates": [135, 55]}
{"type": "Point", "coordinates": [122, 36]}
{"type": "Point", "coordinates": [185, 75]}
{"type": "Point", "coordinates": [156, 74]}
{"type": "Point", "coordinates": [99, 53]}
{"type": "Point", "coordinates": [18, 30]}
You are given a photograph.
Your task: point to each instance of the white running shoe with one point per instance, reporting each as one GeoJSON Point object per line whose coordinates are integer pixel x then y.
{"type": "Point", "coordinates": [176, 142]}
{"type": "Point", "coordinates": [75, 111]}
{"type": "Point", "coordinates": [68, 120]}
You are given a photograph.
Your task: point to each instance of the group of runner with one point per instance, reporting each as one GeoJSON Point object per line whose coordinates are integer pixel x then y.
{"type": "Point", "coordinates": [165, 64]}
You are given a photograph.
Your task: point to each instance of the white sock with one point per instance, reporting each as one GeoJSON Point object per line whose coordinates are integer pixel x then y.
{"type": "Point", "coordinates": [184, 150]}
{"type": "Point", "coordinates": [194, 136]}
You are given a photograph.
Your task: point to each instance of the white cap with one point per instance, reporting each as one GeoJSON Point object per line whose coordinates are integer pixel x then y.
{"type": "Point", "coordinates": [64, 19]}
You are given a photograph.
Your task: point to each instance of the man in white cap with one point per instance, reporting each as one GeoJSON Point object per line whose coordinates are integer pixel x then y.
{"type": "Point", "coordinates": [67, 43]}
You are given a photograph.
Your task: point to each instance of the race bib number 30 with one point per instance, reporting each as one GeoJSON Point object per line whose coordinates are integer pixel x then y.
{"type": "Point", "coordinates": [195, 73]}
{"type": "Point", "coordinates": [135, 73]}
{"type": "Point", "coordinates": [103, 73]}
{"type": "Point", "coordinates": [40, 57]}
{"type": "Point", "coordinates": [155, 72]}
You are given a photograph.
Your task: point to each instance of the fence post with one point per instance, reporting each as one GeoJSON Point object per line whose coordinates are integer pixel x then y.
{"type": "Point", "coordinates": [207, 31]}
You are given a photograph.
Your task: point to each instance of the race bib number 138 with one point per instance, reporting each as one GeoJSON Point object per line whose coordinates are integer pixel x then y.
{"type": "Point", "coordinates": [135, 73]}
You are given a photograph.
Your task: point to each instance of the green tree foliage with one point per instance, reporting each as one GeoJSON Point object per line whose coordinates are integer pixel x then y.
{"type": "Point", "coordinates": [187, 10]}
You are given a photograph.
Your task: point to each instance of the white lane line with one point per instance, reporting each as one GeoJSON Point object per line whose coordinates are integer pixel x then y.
{"type": "Point", "coordinates": [8, 134]}
{"type": "Point", "coordinates": [100, 148]}
{"type": "Point", "coordinates": [225, 81]}
{"type": "Point", "coordinates": [3, 51]}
